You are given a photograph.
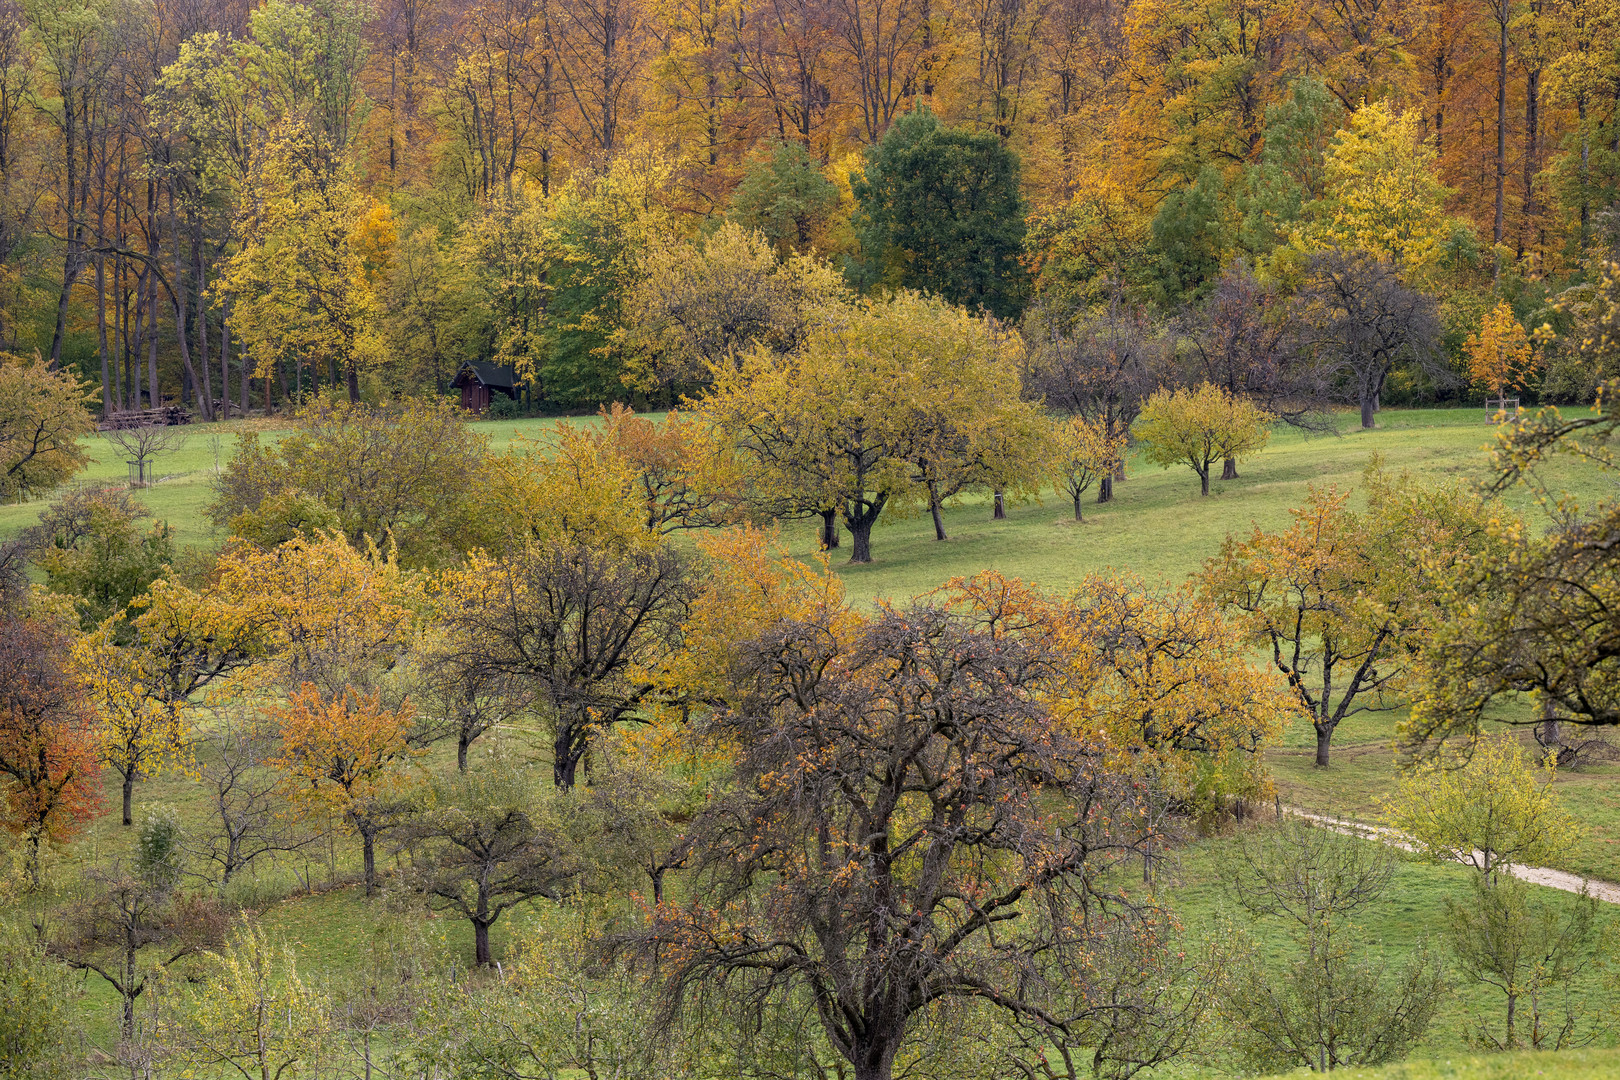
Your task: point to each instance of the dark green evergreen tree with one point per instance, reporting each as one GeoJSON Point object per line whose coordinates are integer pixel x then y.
{"type": "Point", "coordinates": [1187, 240]}
{"type": "Point", "coordinates": [940, 210]}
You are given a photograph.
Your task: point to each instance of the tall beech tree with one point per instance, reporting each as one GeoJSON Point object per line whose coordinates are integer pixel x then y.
{"type": "Point", "coordinates": [911, 830]}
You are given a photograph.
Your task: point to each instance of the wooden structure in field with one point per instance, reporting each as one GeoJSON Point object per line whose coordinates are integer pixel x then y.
{"type": "Point", "coordinates": [162, 416]}
{"type": "Point", "coordinates": [481, 383]}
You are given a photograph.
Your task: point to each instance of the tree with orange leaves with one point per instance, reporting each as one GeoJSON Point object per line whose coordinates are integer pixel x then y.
{"type": "Point", "coordinates": [48, 761]}
{"type": "Point", "coordinates": [1500, 357]}
{"type": "Point", "coordinates": [342, 753]}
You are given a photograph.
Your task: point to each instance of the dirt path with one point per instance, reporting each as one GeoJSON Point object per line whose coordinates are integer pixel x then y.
{"type": "Point", "coordinates": [1607, 891]}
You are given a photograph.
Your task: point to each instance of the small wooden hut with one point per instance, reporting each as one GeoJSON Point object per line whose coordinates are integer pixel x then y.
{"type": "Point", "coordinates": [479, 382]}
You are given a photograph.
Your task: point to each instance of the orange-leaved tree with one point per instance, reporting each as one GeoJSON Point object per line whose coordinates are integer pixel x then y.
{"type": "Point", "coordinates": [1500, 356]}
{"type": "Point", "coordinates": [1160, 679]}
{"type": "Point", "coordinates": [48, 747]}
{"type": "Point", "coordinates": [344, 754]}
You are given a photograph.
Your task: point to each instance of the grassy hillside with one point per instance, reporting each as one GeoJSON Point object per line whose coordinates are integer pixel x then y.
{"type": "Point", "coordinates": [1158, 528]}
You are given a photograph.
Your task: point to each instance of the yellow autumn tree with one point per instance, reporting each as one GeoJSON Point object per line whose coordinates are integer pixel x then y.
{"type": "Point", "coordinates": [1199, 427]}
{"type": "Point", "coordinates": [1493, 809]}
{"type": "Point", "coordinates": [303, 284]}
{"type": "Point", "coordinates": [327, 612]}
{"type": "Point", "coordinates": [1500, 356]}
{"type": "Point", "coordinates": [1082, 452]}
{"type": "Point", "coordinates": [143, 671]}
{"type": "Point", "coordinates": [1382, 193]}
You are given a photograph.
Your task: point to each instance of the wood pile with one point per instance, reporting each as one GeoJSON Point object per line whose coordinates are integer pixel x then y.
{"type": "Point", "coordinates": [162, 416]}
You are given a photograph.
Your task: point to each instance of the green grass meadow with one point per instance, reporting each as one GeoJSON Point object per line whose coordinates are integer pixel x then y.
{"type": "Point", "coordinates": [1158, 527]}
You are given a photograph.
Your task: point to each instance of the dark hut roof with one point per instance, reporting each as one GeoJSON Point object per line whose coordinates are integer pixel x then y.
{"type": "Point", "coordinates": [499, 376]}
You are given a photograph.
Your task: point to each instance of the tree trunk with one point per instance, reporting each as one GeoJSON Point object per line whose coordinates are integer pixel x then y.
{"type": "Point", "coordinates": [1203, 481]}
{"type": "Point", "coordinates": [129, 796]}
{"type": "Point", "coordinates": [461, 751]}
{"type": "Point", "coordinates": [481, 943]}
{"type": "Point", "coordinates": [567, 747]}
{"type": "Point", "coordinates": [1368, 407]}
{"type": "Point", "coordinates": [1229, 469]}
{"type": "Point", "coordinates": [152, 342]}
{"type": "Point", "coordinates": [874, 1061]}
{"type": "Point", "coordinates": [1077, 508]}
{"type": "Point", "coordinates": [829, 530]}
{"type": "Point", "coordinates": [1324, 741]}
{"type": "Point", "coordinates": [101, 334]}
{"type": "Point", "coordinates": [933, 509]}
{"type": "Point", "coordinates": [1105, 489]}
{"type": "Point", "coordinates": [1501, 125]}
{"type": "Point", "coordinates": [354, 383]}
{"type": "Point", "coordinates": [999, 511]}
{"type": "Point", "coordinates": [860, 533]}
{"type": "Point", "coordinates": [368, 851]}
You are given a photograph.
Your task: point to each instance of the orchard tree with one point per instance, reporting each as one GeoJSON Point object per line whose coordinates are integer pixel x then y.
{"type": "Point", "coordinates": [43, 417]}
{"type": "Point", "coordinates": [1500, 357]}
{"type": "Point", "coordinates": [940, 210]}
{"type": "Point", "coordinates": [92, 548]}
{"type": "Point", "coordinates": [925, 834]}
{"type": "Point", "coordinates": [1100, 366]}
{"type": "Point", "coordinates": [250, 1012]}
{"type": "Point", "coordinates": [1536, 611]}
{"type": "Point", "coordinates": [249, 810]}
{"type": "Point", "coordinates": [1532, 950]}
{"type": "Point", "coordinates": [1492, 810]}
{"type": "Point", "coordinates": [1323, 1007]}
{"type": "Point", "coordinates": [681, 474]}
{"type": "Point", "coordinates": [1082, 453]}
{"type": "Point", "coordinates": [48, 739]}
{"type": "Point", "coordinates": [1345, 600]}
{"type": "Point", "coordinates": [1247, 340]}
{"type": "Point", "coordinates": [896, 404]}
{"type": "Point", "coordinates": [582, 625]}
{"type": "Point", "coordinates": [401, 474]}
{"type": "Point", "coordinates": [345, 754]}
{"type": "Point", "coordinates": [1362, 322]}
{"type": "Point", "coordinates": [1199, 427]}
{"type": "Point", "coordinates": [488, 842]}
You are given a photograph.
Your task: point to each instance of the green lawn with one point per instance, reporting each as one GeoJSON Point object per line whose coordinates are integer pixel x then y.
{"type": "Point", "coordinates": [1564, 1065]}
